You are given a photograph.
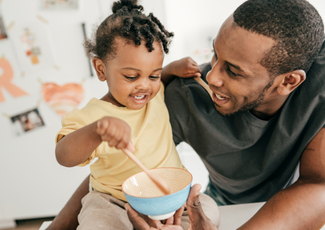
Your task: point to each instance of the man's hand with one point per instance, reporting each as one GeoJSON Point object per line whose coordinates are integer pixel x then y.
{"type": "Point", "coordinates": [198, 220]}
{"type": "Point", "coordinates": [141, 222]}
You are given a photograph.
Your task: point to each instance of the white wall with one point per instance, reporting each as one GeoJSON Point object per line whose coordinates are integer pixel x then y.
{"type": "Point", "coordinates": [32, 183]}
{"type": "Point", "coordinates": [195, 23]}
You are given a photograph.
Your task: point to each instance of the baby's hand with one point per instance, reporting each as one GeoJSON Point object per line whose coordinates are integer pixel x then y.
{"type": "Point", "coordinates": [116, 132]}
{"type": "Point", "coordinates": [186, 67]}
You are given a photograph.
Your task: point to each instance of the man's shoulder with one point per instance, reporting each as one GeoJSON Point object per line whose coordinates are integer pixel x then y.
{"type": "Point", "coordinates": [205, 68]}
{"type": "Point", "coordinates": [314, 85]}
{"type": "Point", "coordinates": [180, 83]}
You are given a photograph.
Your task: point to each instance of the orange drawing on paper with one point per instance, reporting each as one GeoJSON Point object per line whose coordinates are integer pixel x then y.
{"type": "Point", "coordinates": [5, 80]}
{"type": "Point", "coordinates": [62, 99]}
{"type": "Point", "coordinates": [32, 51]}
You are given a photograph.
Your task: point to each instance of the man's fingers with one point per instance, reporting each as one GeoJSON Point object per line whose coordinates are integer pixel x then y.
{"type": "Point", "coordinates": [170, 221]}
{"type": "Point", "coordinates": [156, 224]}
{"type": "Point", "coordinates": [194, 207]}
{"type": "Point", "coordinates": [136, 220]}
{"type": "Point", "coordinates": [178, 215]}
{"type": "Point", "coordinates": [198, 220]}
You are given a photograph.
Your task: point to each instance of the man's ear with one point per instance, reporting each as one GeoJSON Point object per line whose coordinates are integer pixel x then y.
{"type": "Point", "coordinates": [291, 81]}
{"type": "Point", "coordinates": [100, 68]}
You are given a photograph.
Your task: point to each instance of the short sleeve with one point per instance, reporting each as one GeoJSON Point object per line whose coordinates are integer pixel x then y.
{"type": "Point", "coordinates": [182, 96]}
{"type": "Point", "coordinates": [73, 121]}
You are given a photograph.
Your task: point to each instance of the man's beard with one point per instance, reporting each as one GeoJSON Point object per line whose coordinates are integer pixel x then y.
{"type": "Point", "coordinates": [249, 106]}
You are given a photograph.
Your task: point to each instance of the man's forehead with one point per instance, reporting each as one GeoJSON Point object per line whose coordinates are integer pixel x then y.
{"type": "Point", "coordinates": [243, 49]}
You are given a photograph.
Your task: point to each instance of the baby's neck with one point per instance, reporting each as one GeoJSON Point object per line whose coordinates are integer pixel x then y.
{"type": "Point", "coordinates": [112, 100]}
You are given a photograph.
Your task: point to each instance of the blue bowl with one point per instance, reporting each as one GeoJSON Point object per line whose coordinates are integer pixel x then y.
{"type": "Point", "coordinates": [146, 198]}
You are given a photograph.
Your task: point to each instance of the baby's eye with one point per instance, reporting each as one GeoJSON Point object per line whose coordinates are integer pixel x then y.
{"type": "Point", "coordinates": [154, 77]}
{"type": "Point", "coordinates": [131, 78]}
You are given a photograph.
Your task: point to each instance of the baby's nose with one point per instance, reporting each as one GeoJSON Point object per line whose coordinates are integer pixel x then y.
{"type": "Point", "coordinates": [144, 84]}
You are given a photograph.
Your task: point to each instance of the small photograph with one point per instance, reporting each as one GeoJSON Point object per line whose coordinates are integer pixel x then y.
{"type": "Point", "coordinates": [27, 121]}
{"type": "Point", "coordinates": [3, 34]}
{"type": "Point", "coordinates": [59, 4]}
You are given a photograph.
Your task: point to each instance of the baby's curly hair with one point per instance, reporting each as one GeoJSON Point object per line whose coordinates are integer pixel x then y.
{"type": "Point", "coordinates": [129, 22]}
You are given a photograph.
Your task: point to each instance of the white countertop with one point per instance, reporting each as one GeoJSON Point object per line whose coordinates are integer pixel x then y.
{"type": "Point", "coordinates": [233, 216]}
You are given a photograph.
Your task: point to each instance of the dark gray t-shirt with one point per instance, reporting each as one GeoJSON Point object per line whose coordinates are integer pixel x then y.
{"type": "Point", "coordinates": [248, 159]}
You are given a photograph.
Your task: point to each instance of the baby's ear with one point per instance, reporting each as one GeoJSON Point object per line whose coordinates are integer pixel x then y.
{"type": "Point", "coordinates": [100, 68]}
{"type": "Point", "coordinates": [291, 81]}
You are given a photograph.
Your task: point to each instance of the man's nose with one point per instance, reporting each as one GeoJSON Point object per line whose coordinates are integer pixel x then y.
{"type": "Point", "coordinates": [214, 76]}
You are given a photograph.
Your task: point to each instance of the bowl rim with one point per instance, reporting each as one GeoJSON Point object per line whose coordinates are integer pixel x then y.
{"type": "Point", "coordinates": [162, 195]}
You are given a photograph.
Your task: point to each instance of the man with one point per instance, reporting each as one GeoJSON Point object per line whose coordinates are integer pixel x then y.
{"type": "Point", "coordinates": [266, 116]}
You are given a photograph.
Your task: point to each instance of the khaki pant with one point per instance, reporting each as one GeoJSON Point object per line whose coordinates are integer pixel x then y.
{"type": "Point", "coordinates": [102, 211]}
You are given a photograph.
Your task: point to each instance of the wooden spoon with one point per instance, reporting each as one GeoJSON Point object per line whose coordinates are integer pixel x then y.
{"type": "Point", "coordinates": [202, 83]}
{"type": "Point", "coordinates": [158, 180]}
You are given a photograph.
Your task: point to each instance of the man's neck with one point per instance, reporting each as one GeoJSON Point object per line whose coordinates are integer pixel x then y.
{"type": "Point", "coordinates": [267, 110]}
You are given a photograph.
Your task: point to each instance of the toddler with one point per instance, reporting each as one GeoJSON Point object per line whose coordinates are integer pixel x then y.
{"type": "Point", "coordinates": [127, 52]}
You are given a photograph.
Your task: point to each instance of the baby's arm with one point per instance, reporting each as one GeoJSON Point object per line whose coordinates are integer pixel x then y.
{"type": "Point", "coordinates": [185, 67]}
{"type": "Point", "coordinates": [76, 147]}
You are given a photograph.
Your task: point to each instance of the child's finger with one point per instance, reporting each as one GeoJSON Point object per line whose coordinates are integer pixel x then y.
{"type": "Point", "coordinates": [122, 144]}
{"type": "Point", "coordinates": [130, 146]}
{"type": "Point", "coordinates": [112, 142]}
{"type": "Point", "coordinates": [196, 68]}
{"type": "Point", "coordinates": [101, 126]}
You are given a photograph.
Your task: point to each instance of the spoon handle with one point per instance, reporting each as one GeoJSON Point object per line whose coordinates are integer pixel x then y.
{"type": "Point", "coordinates": [203, 84]}
{"type": "Point", "coordinates": [136, 160]}
{"type": "Point", "coordinates": [158, 180]}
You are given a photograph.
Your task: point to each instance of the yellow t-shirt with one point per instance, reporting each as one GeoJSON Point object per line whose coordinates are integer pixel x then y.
{"type": "Point", "coordinates": [151, 136]}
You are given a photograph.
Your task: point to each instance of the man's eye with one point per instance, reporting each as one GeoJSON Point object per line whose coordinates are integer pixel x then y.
{"type": "Point", "coordinates": [214, 54]}
{"type": "Point", "coordinates": [230, 73]}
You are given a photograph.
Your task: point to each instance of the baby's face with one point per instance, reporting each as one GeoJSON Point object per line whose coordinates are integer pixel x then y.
{"type": "Point", "coordinates": [133, 75]}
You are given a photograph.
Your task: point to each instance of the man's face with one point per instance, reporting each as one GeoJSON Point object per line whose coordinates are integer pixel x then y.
{"type": "Point", "coordinates": [238, 81]}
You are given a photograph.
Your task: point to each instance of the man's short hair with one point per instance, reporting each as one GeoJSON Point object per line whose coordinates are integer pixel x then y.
{"type": "Point", "coordinates": [295, 25]}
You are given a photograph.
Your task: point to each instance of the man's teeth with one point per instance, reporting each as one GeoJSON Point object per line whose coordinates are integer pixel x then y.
{"type": "Point", "coordinates": [220, 97]}
{"type": "Point", "coordinates": [139, 97]}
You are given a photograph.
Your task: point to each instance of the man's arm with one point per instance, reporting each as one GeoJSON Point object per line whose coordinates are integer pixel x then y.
{"type": "Point", "coordinates": [302, 205]}
{"type": "Point", "coordinates": [67, 219]}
